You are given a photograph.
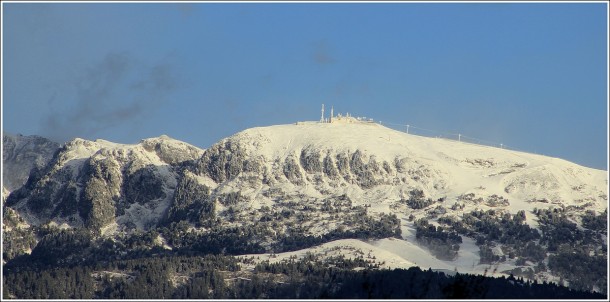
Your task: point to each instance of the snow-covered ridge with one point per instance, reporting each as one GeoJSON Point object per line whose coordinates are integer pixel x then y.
{"type": "Point", "coordinates": [368, 162]}
{"type": "Point", "coordinates": [166, 149]}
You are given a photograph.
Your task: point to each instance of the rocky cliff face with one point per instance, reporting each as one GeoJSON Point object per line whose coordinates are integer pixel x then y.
{"type": "Point", "coordinates": [22, 154]}
{"type": "Point", "coordinates": [99, 184]}
{"type": "Point", "coordinates": [242, 159]}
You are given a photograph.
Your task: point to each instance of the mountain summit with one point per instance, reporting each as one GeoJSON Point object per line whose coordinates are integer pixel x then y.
{"type": "Point", "coordinates": [361, 156]}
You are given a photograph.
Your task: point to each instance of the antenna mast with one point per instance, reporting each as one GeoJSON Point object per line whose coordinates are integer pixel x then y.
{"type": "Point", "coordinates": [322, 116]}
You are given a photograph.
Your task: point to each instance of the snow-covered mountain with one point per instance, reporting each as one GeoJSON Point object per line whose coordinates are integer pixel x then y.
{"type": "Point", "coordinates": [100, 184]}
{"type": "Point", "coordinates": [376, 165]}
{"type": "Point", "coordinates": [380, 168]}
{"type": "Point", "coordinates": [284, 187]}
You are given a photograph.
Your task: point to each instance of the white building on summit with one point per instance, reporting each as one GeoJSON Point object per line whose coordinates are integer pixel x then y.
{"type": "Point", "coordinates": [343, 119]}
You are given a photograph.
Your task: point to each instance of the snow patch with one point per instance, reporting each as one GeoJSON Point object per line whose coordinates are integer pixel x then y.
{"type": "Point", "coordinates": [349, 248]}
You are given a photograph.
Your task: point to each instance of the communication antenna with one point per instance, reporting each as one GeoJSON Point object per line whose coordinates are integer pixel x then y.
{"type": "Point", "coordinates": [322, 116]}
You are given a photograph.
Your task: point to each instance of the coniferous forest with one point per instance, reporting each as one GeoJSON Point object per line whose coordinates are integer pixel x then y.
{"type": "Point", "coordinates": [73, 264]}
{"type": "Point", "coordinates": [219, 277]}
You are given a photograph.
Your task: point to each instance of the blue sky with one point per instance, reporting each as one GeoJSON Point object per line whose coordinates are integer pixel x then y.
{"type": "Point", "coordinates": [530, 76]}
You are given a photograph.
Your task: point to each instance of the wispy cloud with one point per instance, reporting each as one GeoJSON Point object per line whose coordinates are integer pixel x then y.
{"type": "Point", "coordinates": [116, 91]}
{"type": "Point", "coordinates": [321, 54]}
{"type": "Point", "coordinates": [186, 9]}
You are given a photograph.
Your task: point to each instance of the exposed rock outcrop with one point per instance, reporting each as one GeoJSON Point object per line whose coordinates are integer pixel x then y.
{"type": "Point", "coordinates": [21, 154]}
{"type": "Point", "coordinates": [191, 201]}
{"type": "Point", "coordinates": [93, 184]}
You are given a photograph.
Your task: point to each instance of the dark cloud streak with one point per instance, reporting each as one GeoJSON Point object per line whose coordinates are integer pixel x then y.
{"type": "Point", "coordinates": [110, 94]}
{"type": "Point", "coordinates": [321, 54]}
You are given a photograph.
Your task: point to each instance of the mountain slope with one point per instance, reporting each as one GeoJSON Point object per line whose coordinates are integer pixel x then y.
{"type": "Point", "coordinates": [425, 201]}
{"type": "Point", "coordinates": [20, 155]}
{"type": "Point", "coordinates": [415, 178]}
{"type": "Point", "coordinates": [99, 184]}
{"type": "Point", "coordinates": [378, 164]}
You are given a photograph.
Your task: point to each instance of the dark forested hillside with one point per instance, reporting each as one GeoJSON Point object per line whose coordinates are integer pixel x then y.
{"type": "Point", "coordinates": [215, 276]}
